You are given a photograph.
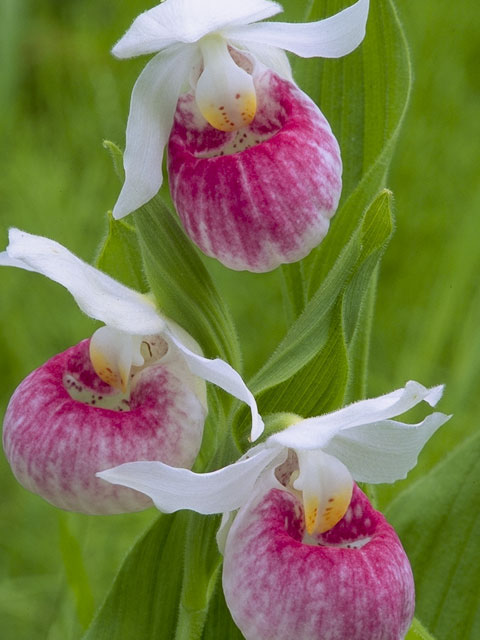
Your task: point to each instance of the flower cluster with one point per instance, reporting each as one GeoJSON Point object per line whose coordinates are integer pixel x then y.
{"type": "Point", "coordinates": [115, 423]}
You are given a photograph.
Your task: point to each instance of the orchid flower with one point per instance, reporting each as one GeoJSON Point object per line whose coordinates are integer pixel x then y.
{"type": "Point", "coordinates": [255, 171]}
{"type": "Point", "coordinates": [307, 556]}
{"type": "Point", "coordinates": [134, 391]}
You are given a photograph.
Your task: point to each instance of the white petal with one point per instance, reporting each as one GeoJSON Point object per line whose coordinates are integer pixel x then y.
{"type": "Point", "coordinates": [152, 107]}
{"type": "Point", "coordinates": [188, 21]}
{"type": "Point", "coordinates": [316, 433]}
{"type": "Point", "coordinates": [224, 376]}
{"type": "Point", "coordinates": [172, 489]}
{"type": "Point", "coordinates": [98, 295]}
{"type": "Point", "coordinates": [271, 57]}
{"type": "Point", "coordinates": [384, 451]}
{"type": "Point", "coordinates": [7, 261]}
{"type": "Point", "coordinates": [326, 487]}
{"type": "Point", "coordinates": [330, 38]}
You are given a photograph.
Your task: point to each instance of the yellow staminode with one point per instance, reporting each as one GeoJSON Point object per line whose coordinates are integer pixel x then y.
{"type": "Point", "coordinates": [113, 353]}
{"type": "Point", "coordinates": [225, 93]}
{"type": "Point", "coordinates": [326, 486]}
{"type": "Point", "coordinates": [321, 518]}
{"type": "Point", "coordinates": [231, 117]}
{"type": "Point", "coordinates": [109, 371]}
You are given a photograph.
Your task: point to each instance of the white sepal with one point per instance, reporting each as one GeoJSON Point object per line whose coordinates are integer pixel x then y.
{"type": "Point", "coordinates": [152, 107]}
{"type": "Point", "coordinates": [98, 295]}
{"type": "Point", "coordinates": [172, 488]}
{"type": "Point", "coordinates": [224, 376]}
{"type": "Point", "coordinates": [383, 451]}
{"type": "Point", "coordinates": [317, 432]}
{"type": "Point", "coordinates": [330, 38]}
{"type": "Point", "coordinates": [187, 21]}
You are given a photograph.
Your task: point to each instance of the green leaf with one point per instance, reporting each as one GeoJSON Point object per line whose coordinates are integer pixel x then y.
{"type": "Point", "coordinates": [438, 521]}
{"type": "Point", "coordinates": [308, 372]}
{"type": "Point", "coordinates": [364, 96]}
{"type": "Point", "coordinates": [418, 632]}
{"type": "Point", "coordinates": [77, 577]}
{"type": "Point", "coordinates": [201, 567]}
{"type": "Point", "coordinates": [119, 255]}
{"type": "Point", "coordinates": [143, 602]}
{"type": "Point", "coordinates": [219, 624]}
{"type": "Point", "coordinates": [181, 283]}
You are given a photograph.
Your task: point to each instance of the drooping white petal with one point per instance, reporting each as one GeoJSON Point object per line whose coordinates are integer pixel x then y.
{"type": "Point", "coordinates": [152, 107]}
{"type": "Point", "coordinates": [172, 489]}
{"type": "Point", "coordinates": [317, 432]}
{"type": "Point", "coordinates": [330, 38]}
{"type": "Point", "coordinates": [326, 487]}
{"type": "Point", "coordinates": [113, 353]}
{"type": "Point", "coordinates": [224, 376]}
{"type": "Point", "coordinates": [98, 295]}
{"type": "Point", "coordinates": [383, 451]}
{"type": "Point", "coordinates": [7, 261]}
{"type": "Point", "coordinates": [188, 21]}
{"type": "Point", "coordinates": [225, 93]}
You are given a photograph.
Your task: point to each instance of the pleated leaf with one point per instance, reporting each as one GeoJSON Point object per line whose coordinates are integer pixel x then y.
{"type": "Point", "coordinates": [308, 372]}
{"type": "Point", "coordinates": [438, 521]}
{"type": "Point", "coordinates": [143, 602]}
{"type": "Point", "coordinates": [364, 96]}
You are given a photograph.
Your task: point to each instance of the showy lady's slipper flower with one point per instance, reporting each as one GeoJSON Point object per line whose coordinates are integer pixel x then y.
{"type": "Point", "coordinates": [134, 391]}
{"type": "Point", "coordinates": [255, 171]}
{"type": "Point", "coordinates": [307, 556]}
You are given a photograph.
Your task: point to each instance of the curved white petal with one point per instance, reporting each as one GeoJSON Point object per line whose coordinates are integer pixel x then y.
{"type": "Point", "coordinates": [330, 38]}
{"type": "Point", "coordinates": [172, 489]}
{"type": "Point", "coordinates": [98, 295]}
{"type": "Point", "coordinates": [383, 451]}
{"type": "Point", "coordinates": [188, 21]}
{"type": "Point", "coordinates": [326, 486]}
{"type": "Point", "coordinates": [317, 432]}
{"type": "Point", "coordinates": [7, 261]}
{"type": "Point", "coordinates": [152, 107]}
{"type": "Point", "coordinates": [224, 376]}
{"type": "Point", "coordinates": [271, 57]}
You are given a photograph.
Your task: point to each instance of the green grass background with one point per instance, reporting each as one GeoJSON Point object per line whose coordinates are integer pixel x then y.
{"type": "Point", "coordinates": [61, 94]}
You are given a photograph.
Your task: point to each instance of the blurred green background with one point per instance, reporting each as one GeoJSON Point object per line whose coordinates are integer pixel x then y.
{"type": "Point", "coordinates": [61, 94]}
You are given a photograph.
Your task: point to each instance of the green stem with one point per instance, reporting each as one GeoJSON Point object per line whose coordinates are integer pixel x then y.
{"type": "Point", "coordinates": [293, 290]}
{"type": "Point", "coordinates": [359, 347]}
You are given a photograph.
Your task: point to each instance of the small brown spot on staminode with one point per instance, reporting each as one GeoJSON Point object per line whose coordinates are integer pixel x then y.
{"type": "Point", "coordinates": [330, 499]}
{"type": "Point", "coordinates": [237, 96]}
